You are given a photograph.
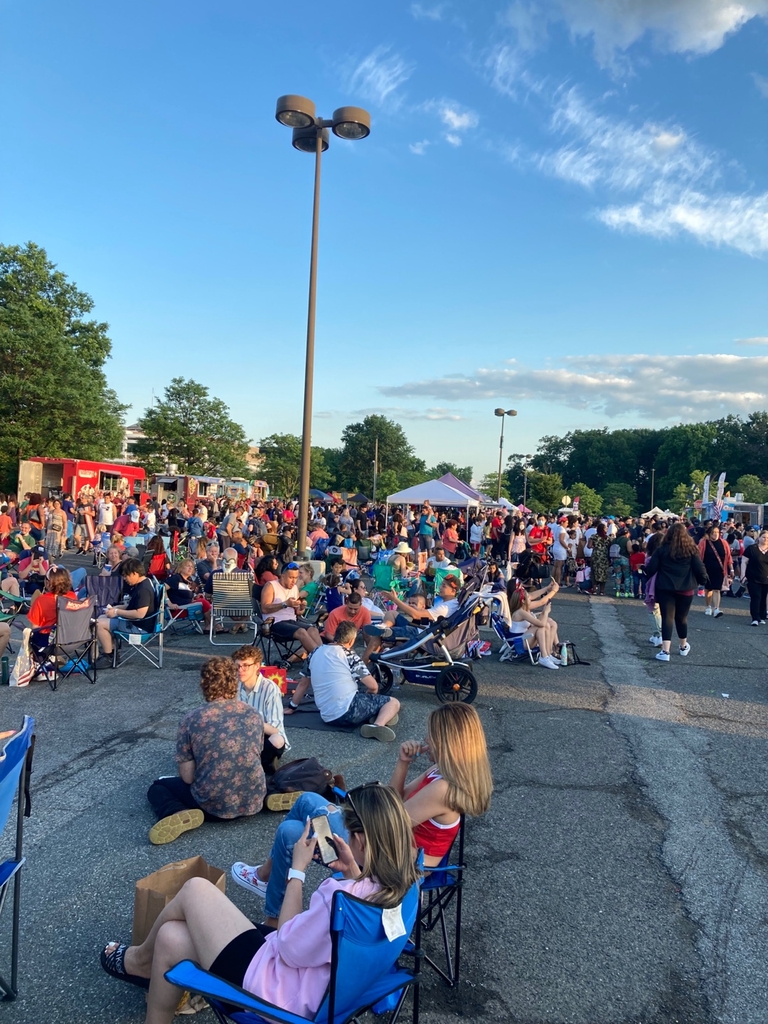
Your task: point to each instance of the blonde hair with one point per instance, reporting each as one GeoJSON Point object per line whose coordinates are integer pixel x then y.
{"type": "Point", "coordinates": [390, 856]}
{"type": "Point", "coordinates": [457, 742]}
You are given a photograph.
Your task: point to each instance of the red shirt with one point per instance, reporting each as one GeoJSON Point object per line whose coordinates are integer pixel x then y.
{"type": "Point", "coordinates": [360, 619]}
{"type": "Point", "coordinates": [636, 560]}
{"type": "Point", "coordinates": [42, 614]}
{"type": "Point", "coordinates": [539, 533]}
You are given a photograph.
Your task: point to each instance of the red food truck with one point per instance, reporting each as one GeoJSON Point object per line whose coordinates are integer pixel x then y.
{"type": "Point", "coordinates": [54, 477]}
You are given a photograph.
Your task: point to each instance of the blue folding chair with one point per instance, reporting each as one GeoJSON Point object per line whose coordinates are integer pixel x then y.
{"type": "Point", "coordinates": [128, 644]}
{"type": "Point", "coordinates": [441, 888]}
{"type": "Point", "coordinates": [364, 970]}
{"type": "Point", "coordinates": [15, 767]}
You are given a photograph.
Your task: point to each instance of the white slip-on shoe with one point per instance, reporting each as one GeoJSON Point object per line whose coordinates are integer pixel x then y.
{"type": "Point", "coordinates": [246, 876]}
{"type": "Point", "coordinates": [662, 656]}
{"type": "Point", "coordinates": [708, 610]}
{"type": "Point", "coordinates": [655, 640]}
{"type": "Point", "coordinates": [685, 650]}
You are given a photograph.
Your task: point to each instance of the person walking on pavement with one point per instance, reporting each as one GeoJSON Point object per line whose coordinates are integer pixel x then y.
{"type": "Point", "coordinates": [756, 557]}
{"type": "Point", "coordinates": [679, 569]}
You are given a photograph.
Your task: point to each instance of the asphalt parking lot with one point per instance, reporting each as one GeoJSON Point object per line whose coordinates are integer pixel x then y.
{"type": "Point", "coordinates": [620, 876]}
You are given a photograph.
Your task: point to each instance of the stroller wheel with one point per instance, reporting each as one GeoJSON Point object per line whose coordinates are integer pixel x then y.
{"type": "Point", "coordinates": [382, 673]}
{"type": "Point", "coordinates": [456, 682]}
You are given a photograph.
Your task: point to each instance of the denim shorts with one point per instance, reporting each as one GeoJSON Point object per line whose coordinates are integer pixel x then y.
{"type": "Point", "coordinates": [363, 708]}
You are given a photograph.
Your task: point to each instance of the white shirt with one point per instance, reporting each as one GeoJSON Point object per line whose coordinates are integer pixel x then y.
{"type": "Point", "coordinates": [106, 514]}
{"type": "Point", "coordinates": [333, 682]}
{"type": "Point", "coordinates": [443, 607]}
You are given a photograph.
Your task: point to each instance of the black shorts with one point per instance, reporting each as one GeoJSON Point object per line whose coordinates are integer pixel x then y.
{"type": "Point", "coordinates": [286, 629]}
{"type": "Point", "coordinates": [234, 960]}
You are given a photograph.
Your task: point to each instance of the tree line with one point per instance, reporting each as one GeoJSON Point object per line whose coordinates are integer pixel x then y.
{"type": "Point", "coordinates": [57, 403]}
{"type": "Point", "coordinates": [623, 472]}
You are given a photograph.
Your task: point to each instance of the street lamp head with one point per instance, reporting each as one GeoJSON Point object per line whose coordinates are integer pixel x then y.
{"type": "Point", "coordinates": [351, 123]}
{"type": "Point", "coordinates": [295, 111]}
{"type": "Point", "coordinates": [499, 412]}
{"type": "Point", "coordinates": [511, 412]}
{"type": "Point", "coordinates": [305, 139]}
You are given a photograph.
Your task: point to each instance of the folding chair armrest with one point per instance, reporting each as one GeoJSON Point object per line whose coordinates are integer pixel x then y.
{"type": "Point", "coordinates": [189, 975]}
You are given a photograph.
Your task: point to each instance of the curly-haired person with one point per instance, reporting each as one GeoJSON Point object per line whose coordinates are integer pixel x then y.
{"type": "Point", "coordinates": [218, 756]}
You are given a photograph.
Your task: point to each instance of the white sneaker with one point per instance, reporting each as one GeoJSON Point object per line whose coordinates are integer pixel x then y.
{"type": "Point", "coordinates": [708, 610]}
{"type": "Point", "coordinates": [662, 656]}
{"type": "Point", "coordinates": [548, 662]}
{"type": "Point", "coordinates": [246, 876]}
{"type": "Point", "coordinates": [655, 640]}
{"type": "Point", "coordinates": [754, 623]}
{"type": "Point", "coordinates": [685, 650]}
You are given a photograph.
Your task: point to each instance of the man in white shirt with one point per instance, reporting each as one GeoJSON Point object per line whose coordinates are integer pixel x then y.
{"type": "Point", "coordinates": [335, 673]}
{"type": "Point", "coordinates": [107, 512]}
{"type": "Point", "coordinates": [438, 560]}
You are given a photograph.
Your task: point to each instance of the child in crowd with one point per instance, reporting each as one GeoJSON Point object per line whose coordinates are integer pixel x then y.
{"type": "Point", "coordinates": [99, 543]}
{"type": "Point", "coordinates": [263, 695]}
{"type": "Point", "coordinates": [636, 563]}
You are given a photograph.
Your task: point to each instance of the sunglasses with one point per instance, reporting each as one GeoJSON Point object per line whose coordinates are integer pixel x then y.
{"type": "Point", "coordinates": [358, 789]}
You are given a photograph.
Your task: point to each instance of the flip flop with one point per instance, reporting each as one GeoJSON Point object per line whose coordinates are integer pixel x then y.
{"type": "Point", "coordinates": [114, 964]}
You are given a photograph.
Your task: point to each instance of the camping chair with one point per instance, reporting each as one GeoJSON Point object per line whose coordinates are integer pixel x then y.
{"type": "Point", "coordinates": [143, 643]}
{"type": "Point", "coordinates": [105, 590]}
{"type": "Point", "coordinates": [514, 646]}
{"type": "Point", "coordinates": [73, 645]}
{"type": "Point", "coordinates": [231, 598]}
{"type": "Point", "coordinates": [364, 970]}
{"type": "Point", "coordinates": [384, 579]}
{"type": "Point", "coordinates": [186, 619]}
{"type": "Point", "coordinates": [10, 608]}
{"type": "Point", "coordinates": [440, 889]}
{"type": "Point", "coordinates": [15, 768]}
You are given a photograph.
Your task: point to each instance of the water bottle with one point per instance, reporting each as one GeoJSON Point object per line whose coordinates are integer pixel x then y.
{"type": "Point", "coordinates": [5, 670]}
{"type": "Point", "coordinates": [563, 654]}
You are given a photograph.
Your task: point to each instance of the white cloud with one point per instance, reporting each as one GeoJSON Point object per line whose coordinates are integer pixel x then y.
{"type": "Point", "coordinates": [456, 118]}
{"type": "Point", "coordinates": [678, 26]}
{"type": "Point", "coordinates": [419, 148]}
{"type": "Point", "coordinates": [399, 412]}
{"type": "Point", "coordinates": [655, 387]}
{"type": "Point", "coordinates": [378, 77]}
{"type": "Point", "coordinates": [761, 83]}
{"type": "Point", "coordinates": [677, 182]}
{"type": "Point", "coordinates": [420, 11]}
{"type": "Point", "coordinates": [734, 220]}
{"type": "Point", "coordinates": [752, 341]}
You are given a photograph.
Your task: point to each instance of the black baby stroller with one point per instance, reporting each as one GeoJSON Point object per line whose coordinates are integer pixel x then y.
{"type": "Point", "coordinates": [436, 657]}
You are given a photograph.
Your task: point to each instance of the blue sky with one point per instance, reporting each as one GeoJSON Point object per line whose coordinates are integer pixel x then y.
{"type": "Point", "coordinates": [562, 206]}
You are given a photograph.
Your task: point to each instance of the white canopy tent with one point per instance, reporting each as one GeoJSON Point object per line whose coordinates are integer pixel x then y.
{"type": "Point", "coordinates": [436, 493]}
{"type": "Point", "coordinates": [655, 511]}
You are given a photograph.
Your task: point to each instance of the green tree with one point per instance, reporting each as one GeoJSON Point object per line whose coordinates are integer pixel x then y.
{"type": "Point", "coordinates": [192, 431]}
{"type": "Point", "coordinates": [684, 495]}
{"type": "Point", "coordinates": [619, 499]}
{"type": "Point", "coordinates": [396, 454]}
{"type": "Point", "coordinates": [752, 487]}
{"type": "Point", "coordinates": [490, 484]}
{"type": "Point", "coordinates": [281, 466]}
{"type": "Point", "coordinates": [590, 502]}
{"type": "Point", "coordinates": [462, 472]}
{"type": "Point", "coordinates": [546, 488]}
{"type": "Point", "coordinates": [53, 390]}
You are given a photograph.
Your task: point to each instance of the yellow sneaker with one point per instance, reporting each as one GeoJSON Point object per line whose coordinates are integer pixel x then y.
{"type": "Point", "coordinates": [170, 828]}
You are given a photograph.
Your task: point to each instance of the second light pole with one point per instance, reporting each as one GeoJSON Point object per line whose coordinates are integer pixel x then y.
{"type": "Point", "coordinates": [310, 135]}
{"type": "Point", "coordinates": [503, 413]}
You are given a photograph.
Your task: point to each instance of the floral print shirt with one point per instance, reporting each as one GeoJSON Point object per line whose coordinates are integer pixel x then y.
{"type": "Point", "coordinates": [224, 738]}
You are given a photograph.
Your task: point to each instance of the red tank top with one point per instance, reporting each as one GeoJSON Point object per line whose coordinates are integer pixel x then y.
{"type": "Point", "coordinates": [433, 838]}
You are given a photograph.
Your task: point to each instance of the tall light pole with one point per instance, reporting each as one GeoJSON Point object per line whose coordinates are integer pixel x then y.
{"type": "Point", "coordinates": [525, 480]}
{"type": "Point", "coordinates": [310, 135]}
{"type": "Point", "coordinates": [502, 413]}
{"type": "Point", "coordinates": [653, 483]}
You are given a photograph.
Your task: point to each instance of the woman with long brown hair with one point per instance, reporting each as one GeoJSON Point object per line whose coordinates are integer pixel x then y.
{"type": "Point", "coordinates": [678, 569]}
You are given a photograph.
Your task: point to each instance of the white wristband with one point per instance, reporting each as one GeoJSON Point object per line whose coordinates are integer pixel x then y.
{"type": "Point", "coordinates": [293, 873]}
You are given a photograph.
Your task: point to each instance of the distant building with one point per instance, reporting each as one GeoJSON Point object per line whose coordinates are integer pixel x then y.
{"type": "Point", "coordinates": [130, 436]}
{"type": "Point", "coordinates": [254, 460]}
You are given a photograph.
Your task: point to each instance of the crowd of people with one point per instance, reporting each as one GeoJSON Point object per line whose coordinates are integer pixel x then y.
{"type": "Point", "coordinates": [228, 748]}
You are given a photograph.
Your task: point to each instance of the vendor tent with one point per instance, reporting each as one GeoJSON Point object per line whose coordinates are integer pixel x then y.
{"type": "Point", "coordinates": [655, 511]}
{"type": "Point", "coordinates": [459, 485]}
{"type": "Point", "coordinates": [359, 499]}
{"type": "Point", "coordinates": [436, 493]}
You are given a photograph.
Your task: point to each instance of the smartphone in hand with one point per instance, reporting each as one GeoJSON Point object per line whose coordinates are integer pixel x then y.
{"type": "Point", "coordinates": [325, 841]}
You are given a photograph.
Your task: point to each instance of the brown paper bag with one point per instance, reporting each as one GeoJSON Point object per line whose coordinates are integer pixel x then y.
{"type": "Point", "coordinates": [159, 888]}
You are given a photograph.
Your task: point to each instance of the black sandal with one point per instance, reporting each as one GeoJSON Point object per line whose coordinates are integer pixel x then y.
{"type": "Point", "coordinates": [114, 964]}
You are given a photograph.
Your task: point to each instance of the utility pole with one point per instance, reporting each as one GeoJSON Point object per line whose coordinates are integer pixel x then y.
{"type": "Point", "coordinates": [375, 467]}
{"type": "Point", "coordinates": [653, 485]}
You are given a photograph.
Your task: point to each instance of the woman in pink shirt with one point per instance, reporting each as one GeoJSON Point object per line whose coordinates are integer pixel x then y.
{"type": "Point", "coordinates": [289, 966]}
